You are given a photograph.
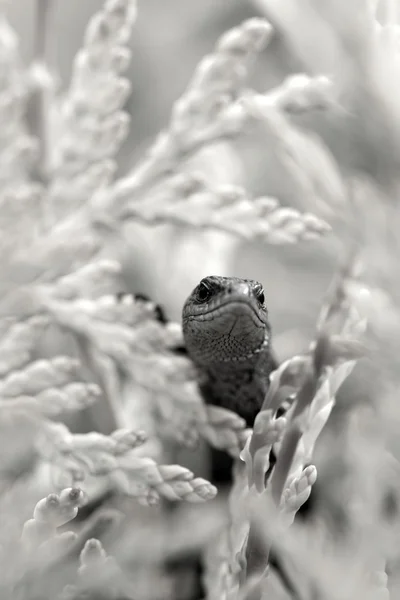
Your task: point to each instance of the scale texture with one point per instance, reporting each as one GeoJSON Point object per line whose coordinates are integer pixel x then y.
{"type": "Point", "coordinates": [227, 335]}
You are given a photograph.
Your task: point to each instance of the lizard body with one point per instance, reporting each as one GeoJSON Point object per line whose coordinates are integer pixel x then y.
{"type": "Point", "coordinates": [227, 335]}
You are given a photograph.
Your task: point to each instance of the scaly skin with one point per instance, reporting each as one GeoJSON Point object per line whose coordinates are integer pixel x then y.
{"type": "Point", "coordinates": [227, 335]}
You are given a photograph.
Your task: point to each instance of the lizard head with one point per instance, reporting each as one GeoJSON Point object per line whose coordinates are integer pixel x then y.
{"type": "Point", "coordinates": [224, 320]}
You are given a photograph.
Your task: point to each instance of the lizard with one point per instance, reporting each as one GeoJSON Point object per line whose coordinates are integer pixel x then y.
{"type": "Point", "coordinates": [227, 335]}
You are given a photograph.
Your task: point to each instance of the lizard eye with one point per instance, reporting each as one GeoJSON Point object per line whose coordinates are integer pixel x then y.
{"type": "Point", "coordinates": [203, 292]}
{"type": "Point", "coordinates": [260, 295]}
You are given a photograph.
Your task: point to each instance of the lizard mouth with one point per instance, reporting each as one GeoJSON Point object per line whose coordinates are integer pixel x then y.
{"type": "Point", "coordinates": [225, 320]}
{"type": "Point", "coordinates": [232, 328]}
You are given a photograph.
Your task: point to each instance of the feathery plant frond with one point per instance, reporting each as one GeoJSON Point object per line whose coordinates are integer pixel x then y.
{"type": "Point", "coordinates": [99, 575]}
{"type": "Point", "coordinates": [75, 456]}
{"type": "Point", "coordinates": [18, 341]}
{"type": "Point", "coordinates": [17, 147]}
{"type": "Point", "coordinates": [20, 196]}
{"type": "Point", "coordinates": [205, 113]}
{"type": "Point", "coordinates": [42, 543]}
{"type": "Point", "coordinates": [91, 121]}
{"type": "Point", "coordinates": [217, 106]}
{"type": "Point", "coordinates": [188, 200]}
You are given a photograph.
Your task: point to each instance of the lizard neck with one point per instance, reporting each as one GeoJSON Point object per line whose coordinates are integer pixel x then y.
{"type": "Point", "coordinates": [238, 386]}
